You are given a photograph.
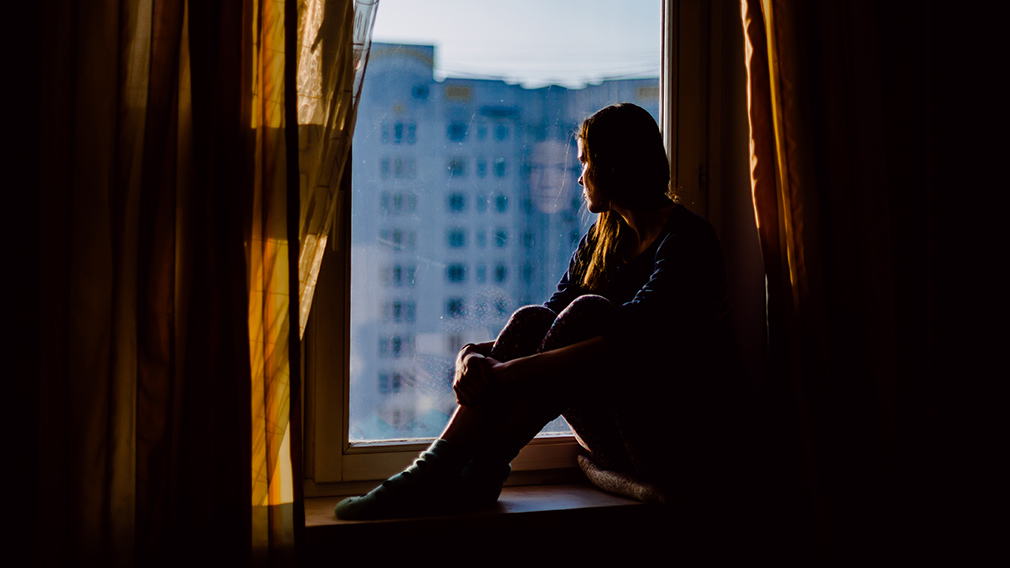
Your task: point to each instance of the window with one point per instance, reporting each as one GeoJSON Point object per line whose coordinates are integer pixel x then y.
{"type": "Point", "coordinates": [392, 382]}
{"type": "Point", "coordinates": [456, 167]}
{"type": "Point", "coordinates": [398, 203]}
{"type": "Point", "coordinates": [455, 237]}
{"type": "Point", "coordinates": [456, 202]}
{"type": "Point", "coordinates": [398, 239]}
{"type": "Point", "coordinates": [455, 93]}
{"type": "Point", "coordinates": [398, 132]}
{"type": "Point", "coordinates": [456, 273]}
{"type": "Point", "coordinates": [398, 311]}
{"type": "Point", "coordinates": [396, 346]}
{"type": "Point", "coordinates": [421, 297]}
{"type": "Point", "coordinates": [398, 275]}
{"type": "Point", "coordinates": [455, 308]}
{"type": "Point", "coordinates": [399, 168]}
{"type": "Point", "coordinates": [457, 131]}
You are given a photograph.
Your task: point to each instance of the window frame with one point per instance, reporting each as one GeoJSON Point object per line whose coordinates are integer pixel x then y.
{"type": "Point", "coordinates": [334, 466]}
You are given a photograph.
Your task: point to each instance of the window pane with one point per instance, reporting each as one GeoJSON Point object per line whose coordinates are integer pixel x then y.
{"type": "Point", "coordinates": [464, 133]}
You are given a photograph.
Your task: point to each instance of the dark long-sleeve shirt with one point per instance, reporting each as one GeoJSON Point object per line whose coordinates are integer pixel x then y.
{"type": "Point", "coordinates": [671, 297]}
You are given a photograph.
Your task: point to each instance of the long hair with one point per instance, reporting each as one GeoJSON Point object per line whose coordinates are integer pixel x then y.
{"type": "Point", "coordinates": [627, 161]}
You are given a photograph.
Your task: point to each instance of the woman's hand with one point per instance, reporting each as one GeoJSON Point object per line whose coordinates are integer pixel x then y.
{"type": "Point", "coordinates": [474, 376]}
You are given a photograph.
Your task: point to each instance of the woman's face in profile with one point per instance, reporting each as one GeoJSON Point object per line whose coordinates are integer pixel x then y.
{"type": "Point", "coordinates": [595, 200]}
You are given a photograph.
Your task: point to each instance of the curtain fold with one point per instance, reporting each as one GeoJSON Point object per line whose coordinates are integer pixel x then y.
{"type": "Point", "coordinates": [334, 37]}
{"type": "Point", "coordinates": [840, 111]}
{"type": "Point", "coordinates": [166, 265]}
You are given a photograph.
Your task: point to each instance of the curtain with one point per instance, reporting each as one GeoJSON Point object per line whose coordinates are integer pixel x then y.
{"type": "Point", "coordinates": [165, 221]}
{"type": "Point", "coordinates": [840, 120]}
{"type": "Point", "coordinates": [334, 38]}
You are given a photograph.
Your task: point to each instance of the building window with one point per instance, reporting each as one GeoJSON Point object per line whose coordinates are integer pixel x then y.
{"type": "Point", "coordinates": [454, 344]}
{"type": "Point", "coordinates": [648, 93]}
{"type": "Point", "coordinates": [396, 346]}
{"type": "Point", "coordinates": [393, 382]}
{"type": "Point", "coordinates": [501, 202]}
{"type": "Point", "coordinates": [457, 93]}
{"type": "Point", "coordinates": [455, 237]}
{"type": "Point", "coordinates": [399, 311]}
{"type": "Point", "coordinates": [501, 237]}
{"type": "Point", "coordinates": [397, 203]}
{"type": "Point", "coordinates": [455, 308]}
{"type": "Point", "coordinates": [500, 168]}
{"type": "Point", "coordinates": [501, 132]}
{"type": "Point", "coordinates": [481, 274]}
{"type": "Point", "coordinates": [398, 239]}
{"type": "Point", "coordinates": [481, 239]}
{"type": "Point", "coordinates": [481, 168]}
{"type": "Point", "coordinates": [398, 275]}
{"type": "Point", "coordinates": [456, 273]}
{"type": "Point", "coordinates": [501, 273]}
{"type": "Point", "coordinates": [456, 167]}
{"type": "Point", "coordinates": [404, 168]}
{"type": "Point", "coordinates": [456, 202]}
{"type": "Point", "coordinates": [456, 131]}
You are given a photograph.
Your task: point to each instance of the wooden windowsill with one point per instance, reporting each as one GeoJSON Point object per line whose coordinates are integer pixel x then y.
{"type": "Point", "coordinates": [539, 519]}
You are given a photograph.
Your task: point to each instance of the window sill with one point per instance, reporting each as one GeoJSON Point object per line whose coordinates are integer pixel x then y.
{"type": "Point", "coordinates": [541, 519]}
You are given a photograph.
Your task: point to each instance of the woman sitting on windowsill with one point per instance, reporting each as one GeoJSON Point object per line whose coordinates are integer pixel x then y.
{"type": "Point", "coordinates": [634, 349]}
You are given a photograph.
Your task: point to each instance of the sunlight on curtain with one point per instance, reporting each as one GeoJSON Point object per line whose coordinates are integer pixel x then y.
{"type": "Point", "coordinates": [333, 38]}
{"type": "Point", "coordinates": [269, 293]}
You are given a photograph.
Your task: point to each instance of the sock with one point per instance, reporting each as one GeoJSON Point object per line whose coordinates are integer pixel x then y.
{"type": "Point", "coordinates": [431, 485]}
{"type": "Point", "coordinates": [453, 458]}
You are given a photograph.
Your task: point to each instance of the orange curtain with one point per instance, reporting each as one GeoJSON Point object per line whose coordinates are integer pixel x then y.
{"type": "Point", "coordinates": [166, 223]}
{"type": "Point", "coordinates": [840, 119]}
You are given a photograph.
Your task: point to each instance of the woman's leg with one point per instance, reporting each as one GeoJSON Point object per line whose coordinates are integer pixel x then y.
{"type": "Point", "coordinates": [454, 473]}
{"type": "Point", "coordinates": [471, 427]}
{"type": "Point", "coordinates": [589, 407]}
{"type": "Point", "coordinates": [497, 432]}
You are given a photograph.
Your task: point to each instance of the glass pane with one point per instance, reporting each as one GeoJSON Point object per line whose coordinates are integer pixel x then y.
{"type": "Point", "coordinates": [465, 201]}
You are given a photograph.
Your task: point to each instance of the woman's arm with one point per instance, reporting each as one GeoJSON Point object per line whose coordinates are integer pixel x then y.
{"type": "Point", "coordinates": [562, 364]}
{"type": "Point", "coordinates": [477, 375]}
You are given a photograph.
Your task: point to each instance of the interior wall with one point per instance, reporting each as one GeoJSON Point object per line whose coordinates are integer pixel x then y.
{"type": "Point", "coordinates": [730, 209]}
{"type": "Point", "coordinates": [708, 140]}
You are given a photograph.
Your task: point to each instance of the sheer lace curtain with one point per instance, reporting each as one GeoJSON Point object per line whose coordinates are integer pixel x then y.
{"type": "Point", "coordinates": [839, 101]}
{"type": "Point", "coordinates": [167, 257]}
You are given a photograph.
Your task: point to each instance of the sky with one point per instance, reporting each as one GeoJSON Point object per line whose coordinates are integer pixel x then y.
{"type": "Point", "coordinates": [532, 42]}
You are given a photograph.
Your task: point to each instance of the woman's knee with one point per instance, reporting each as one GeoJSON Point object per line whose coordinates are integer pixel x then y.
{"type": "Point", "coordinates": [589, 311]}
{"type": "Point", "coordinates": [523, 333]}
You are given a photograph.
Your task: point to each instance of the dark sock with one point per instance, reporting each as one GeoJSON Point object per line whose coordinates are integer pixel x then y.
{"type": "Point", "coordinates": [453, 457]}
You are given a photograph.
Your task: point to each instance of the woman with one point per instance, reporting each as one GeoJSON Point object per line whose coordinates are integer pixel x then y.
{"type": "Point", "coordinates": [632, 349]}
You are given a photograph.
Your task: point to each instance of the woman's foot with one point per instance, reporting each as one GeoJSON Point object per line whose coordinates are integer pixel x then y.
{"type": "Point", "coordinates": [435, 484]}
